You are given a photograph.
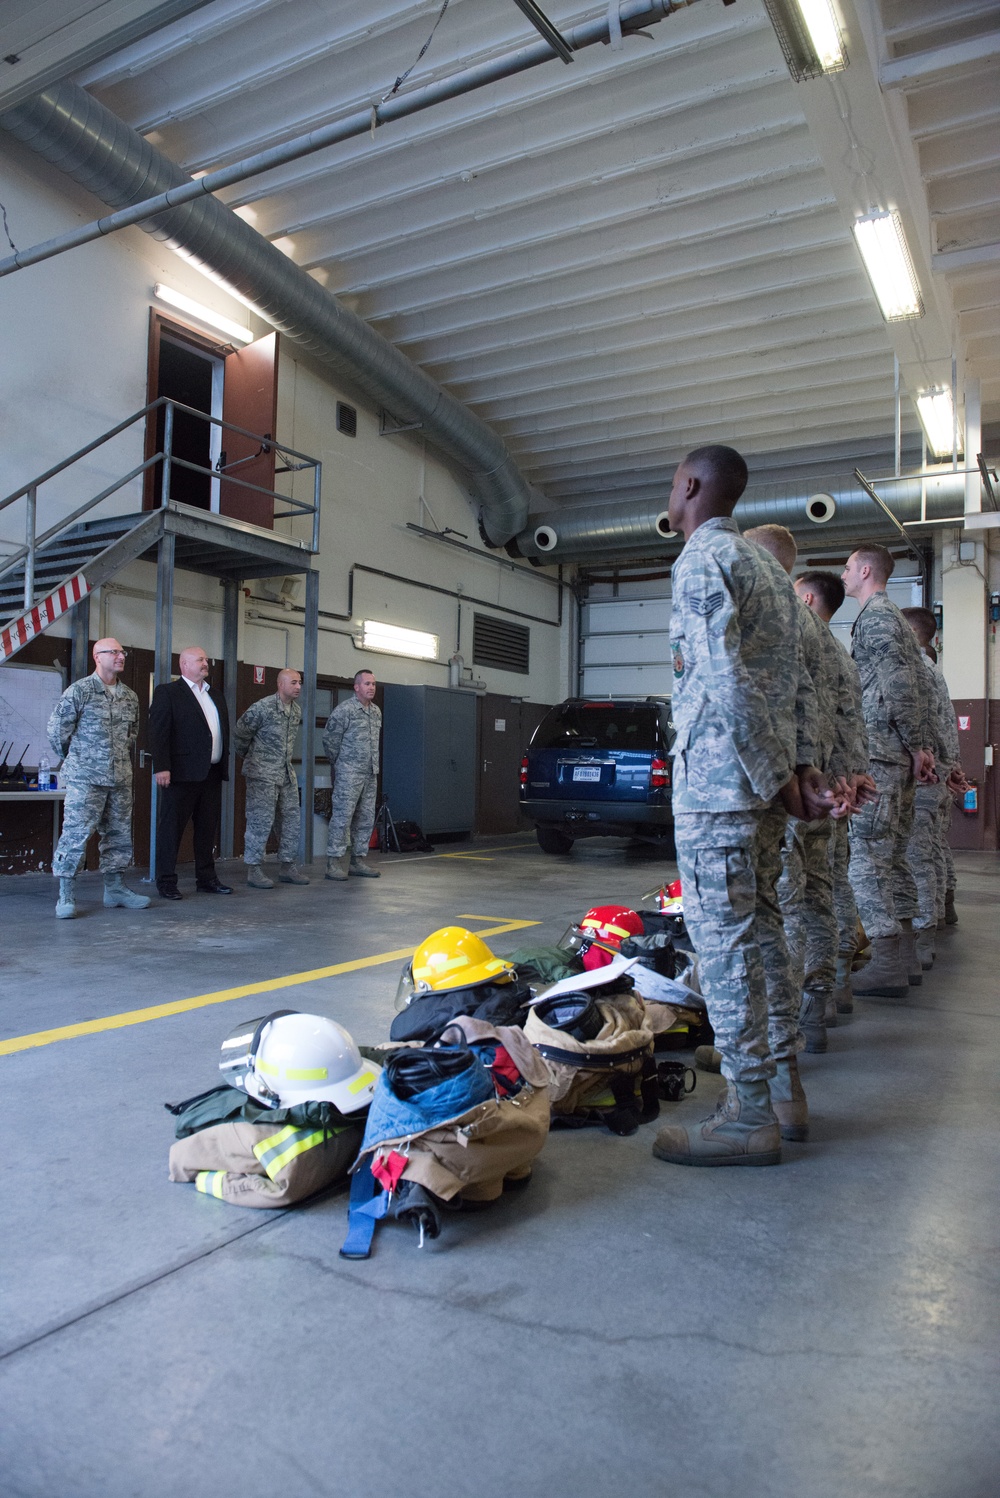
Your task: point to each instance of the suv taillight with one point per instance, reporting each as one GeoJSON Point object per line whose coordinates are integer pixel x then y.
{"type": "Point", "coordinates": [659, 773]}
{"type": "Point", "coordinates": [524, 769]}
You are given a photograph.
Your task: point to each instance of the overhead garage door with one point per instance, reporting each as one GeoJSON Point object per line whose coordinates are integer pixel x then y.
{"type": "Point", "coordinates": [626, 648]}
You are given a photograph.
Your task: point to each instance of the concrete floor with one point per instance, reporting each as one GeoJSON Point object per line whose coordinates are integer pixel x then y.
{"type": "Point", "coordinates": [623, 1327]}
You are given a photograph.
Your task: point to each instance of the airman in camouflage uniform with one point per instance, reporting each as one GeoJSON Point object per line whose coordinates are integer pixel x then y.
{"type": "Point", "coordinates": [895, 701]}
{"type": "Point", "coordinates": [926, 847]}
{"type": "Point", "coordinates": [351, 743]}
{"type": "Point", "coordinates": [743, 711]}
{"type": "Point", "coordinates": [265, 737]}
{"type": "Point", "coordinates": [93, 729]}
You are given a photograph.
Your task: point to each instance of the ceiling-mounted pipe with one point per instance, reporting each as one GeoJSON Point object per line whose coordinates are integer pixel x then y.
{"type": "Point", "coordinates": [617, 531]}
{"type": "Point", "coordinates": [92, 146]}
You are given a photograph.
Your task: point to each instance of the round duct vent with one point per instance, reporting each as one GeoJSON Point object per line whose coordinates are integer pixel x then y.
{"type": "Point", "coordinates": [546, 538]}
{"type": "Point", "coordinates": [820, 508]}
{"type": "Point", "coordinates": [663, 525]}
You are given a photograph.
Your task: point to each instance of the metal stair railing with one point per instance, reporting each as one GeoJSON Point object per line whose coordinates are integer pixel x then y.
{"type": "Point", "coordinates": [293, 462]}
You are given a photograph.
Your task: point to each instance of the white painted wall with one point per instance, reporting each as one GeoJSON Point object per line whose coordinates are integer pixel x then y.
{"type": "Point", "coordinates": [73, 352]}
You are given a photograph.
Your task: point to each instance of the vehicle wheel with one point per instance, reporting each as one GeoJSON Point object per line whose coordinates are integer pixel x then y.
{"type": "Point", "coordinates": [551, 840]}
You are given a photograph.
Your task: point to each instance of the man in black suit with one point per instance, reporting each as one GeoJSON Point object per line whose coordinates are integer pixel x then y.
{"type": "Point", "coordinates": [189, 737]}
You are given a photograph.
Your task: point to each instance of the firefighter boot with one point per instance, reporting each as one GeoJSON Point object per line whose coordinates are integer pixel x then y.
{"type": "Point", "coordinates": [257, 879]}
{"type": "Point", "coordinates": [908, 955]}
{"type": "Point", "coordinates": [360, 867]}
{"type": "Point", "coordinates": [336, 867]}
{"type": "Point", "coordinates": [789, 1101]}
{"type": "Point", "coordinates": [885, 976]}
{"type": "Point", "coordinates": [117, 893]}
{"type": "Point", "coordinates": [812, 1022]}
{"type": "Point", "coordinates": [289, 874]}
{"type": "Point", "coordinates": [66, 904]}
{"type": "Point", "coordinates": [926, 950]}
{"type": "Point", "coordinates": [742, 1131]}
{"type": "Point", "coordinates": [842, 995]}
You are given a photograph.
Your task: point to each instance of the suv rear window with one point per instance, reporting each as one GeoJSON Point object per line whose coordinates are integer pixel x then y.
{"type": "Point", "coordinates": [597, 725]}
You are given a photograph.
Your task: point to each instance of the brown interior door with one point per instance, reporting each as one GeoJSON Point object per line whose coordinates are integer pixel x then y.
{"type": "Point", "coordinates": [250, 400]}
{"type": "Point", "coordinates": [504, 727]}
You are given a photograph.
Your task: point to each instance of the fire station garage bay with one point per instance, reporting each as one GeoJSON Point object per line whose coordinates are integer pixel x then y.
{"type": "Point", "coordinates": [423, 827]}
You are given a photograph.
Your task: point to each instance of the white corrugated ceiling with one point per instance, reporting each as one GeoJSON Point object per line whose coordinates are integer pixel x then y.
{"type": "Point", "coordinates": [614, 260]}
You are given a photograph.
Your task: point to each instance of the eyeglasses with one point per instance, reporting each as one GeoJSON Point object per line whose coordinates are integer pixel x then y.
{"type": "Point", "coordinates": [122, 653]}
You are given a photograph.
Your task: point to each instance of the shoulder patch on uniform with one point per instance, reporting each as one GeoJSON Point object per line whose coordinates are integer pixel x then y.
{"type": "Point", "coordinates": [709, 605]}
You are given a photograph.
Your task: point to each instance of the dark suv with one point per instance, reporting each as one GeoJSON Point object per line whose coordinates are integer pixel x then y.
{"type": "Point", "coordinates": [599, 769]}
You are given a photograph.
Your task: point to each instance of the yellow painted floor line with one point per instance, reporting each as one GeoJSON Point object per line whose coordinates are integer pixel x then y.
{"type": "Point", "coordinates": [476, 857]}
{"type": "Point", "coordinates": [222, 996]}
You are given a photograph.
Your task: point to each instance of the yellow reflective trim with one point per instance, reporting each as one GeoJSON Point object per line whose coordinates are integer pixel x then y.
{"type": "Point", "coordinates": [210, 1182]}
{"type": "Point", "coordinates": [267, 1068]}
{"type": "Point", "coordinates": [365, 1079]}
{"type": "Point", "coordinates": [305, 1073]}
{"type": "Point", "coordinates": [297, 1147]}
{"type": "Point", "coordinates": [273, 1140]}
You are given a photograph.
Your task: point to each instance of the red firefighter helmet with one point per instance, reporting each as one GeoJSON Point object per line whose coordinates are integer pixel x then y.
{"type": "Point", "coordinates": [603, 930]}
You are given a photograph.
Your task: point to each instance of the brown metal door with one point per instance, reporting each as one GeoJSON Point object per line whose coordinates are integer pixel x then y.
{"type": "Point", "coordinates": [505, 724]}
{"type": "Point", "coordinates": [250, 400]}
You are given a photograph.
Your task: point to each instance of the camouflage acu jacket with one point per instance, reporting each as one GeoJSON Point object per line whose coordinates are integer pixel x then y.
{"type": "Point", "coordinates": [819, 653]}
{"type": "Point", "coordinates": [92, 729]}
{"type": "Point", "coordinates": [743, 706]}
{"type": "Point", "coordinates": [351, 736]}
{"type": "Point", "coordinates": [944, 732]}
{"type": "Point", "coordinates": [850, 747]}
{"type": "Point", "coordinates": [894, 692]}
{"type": "Point", "coordinates": [265, 737]}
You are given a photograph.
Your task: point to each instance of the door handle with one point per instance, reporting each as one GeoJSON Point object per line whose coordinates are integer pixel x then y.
{"type": "Point", "coordinates": [144, 754]}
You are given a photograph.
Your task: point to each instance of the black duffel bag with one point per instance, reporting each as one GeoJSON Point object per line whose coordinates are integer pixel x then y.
{"type": "Point", "coordinates": [427, 1014]}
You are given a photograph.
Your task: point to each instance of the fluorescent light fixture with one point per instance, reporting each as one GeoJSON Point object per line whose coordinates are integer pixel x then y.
{"type": "Point", "coordinates": [393, 639]}
{"type": "Point", "coordinates": [937, 417]}
{"type": "Point", "coordinates": [809, 35]}
{"type": "Point", "coordinates": [887, 260]}
{"type": "Point", "coordinates": [204, 314]}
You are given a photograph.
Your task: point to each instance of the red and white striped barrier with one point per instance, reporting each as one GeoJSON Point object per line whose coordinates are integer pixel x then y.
{"type": "Point", "coordinates": [36, 620]}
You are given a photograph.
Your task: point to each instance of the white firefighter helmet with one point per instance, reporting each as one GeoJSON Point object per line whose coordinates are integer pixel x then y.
{"type": "Point", "coordinates": [288, 1058]}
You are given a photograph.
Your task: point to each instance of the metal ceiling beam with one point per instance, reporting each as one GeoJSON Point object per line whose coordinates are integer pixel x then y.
{"type": "Point", "coordinates": [634, 14]}
{"type": "Point", "coordinates": [919, 67]}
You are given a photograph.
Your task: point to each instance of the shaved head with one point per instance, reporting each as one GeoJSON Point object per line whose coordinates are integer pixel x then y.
{"type": "Point", "coordinates": [109, 659]}
{"type": "Point", "coordinates": [194, 663]}
{"type": "Point", "coordinates": [706, 486]}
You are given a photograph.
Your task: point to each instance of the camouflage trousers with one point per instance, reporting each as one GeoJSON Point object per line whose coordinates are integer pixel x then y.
{"type": "Point", "coordinates": [806, 895]}
{"type": "Point", "coordinates": [944, 829]}
{"type": "Point", "coordinates": [784, 991]}
{"type": "Point", "coordinates": [353, 812]}
{"type": "Point", "coordinates": [844, 907]}
{"type": "Point", "coordinates": [104, 809]}
{"type": "Point", "coordinates": [880, 834]}
{"type": "Point", "coordinates": [926, 856]}
{"type": "Point", "coordinates": [271, 805]}
{"type": "Point", "coordinates": [716, 858]}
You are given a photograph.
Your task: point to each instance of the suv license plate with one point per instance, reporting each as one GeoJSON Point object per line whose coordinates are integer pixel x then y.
{"type": "Point", "coordinates": [587, 772]}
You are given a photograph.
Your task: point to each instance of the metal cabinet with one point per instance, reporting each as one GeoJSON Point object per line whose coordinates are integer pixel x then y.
{"type": "Point", "coordinates": [429, 757]}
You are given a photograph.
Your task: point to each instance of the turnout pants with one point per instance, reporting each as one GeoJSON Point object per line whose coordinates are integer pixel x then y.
{"type": "Point", "coordinates": [104, 809]}
{"type": "Point", "coordinates": [270, 804]}
{"type": "Point", "coordinates": [717, 860]}
{"type": "Point", "coordinates": [880, 833]}
{"type": "Point", "coordinates": [353, 812]}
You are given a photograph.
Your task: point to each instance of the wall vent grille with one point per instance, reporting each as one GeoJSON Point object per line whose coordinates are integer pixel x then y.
{"type": "Point", "coordinates": [498, 643]}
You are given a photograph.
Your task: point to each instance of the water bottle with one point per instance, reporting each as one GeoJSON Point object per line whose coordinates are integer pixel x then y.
{"type": "Point", "coordinates": [44, 774]}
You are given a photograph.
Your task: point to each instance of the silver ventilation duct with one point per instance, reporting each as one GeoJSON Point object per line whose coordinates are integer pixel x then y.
{"type": "Point", "coordinates": [617, 531]}
{"type": "Point", "coordinates": [70, 129]}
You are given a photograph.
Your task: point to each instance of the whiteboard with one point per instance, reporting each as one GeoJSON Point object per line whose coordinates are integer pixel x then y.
{"type": "Point", "coordinates": [27, 696]}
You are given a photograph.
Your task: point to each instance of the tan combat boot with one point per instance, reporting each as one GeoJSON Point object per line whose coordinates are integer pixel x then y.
{"type": "Point", "coordinates": [950, 913]}
{"type": "Point", "coordinates": [289, 874]}
{"type": "Point", "coordinates": [66, 904]}
{"type": "Point", "coordinates": [926, 947]}
{"type": "Point", "coordinates": [336, 868]}
{"type": "Point", "coordinates": [742, 1131]}
{"type": "Point", "coordinates": [885, 976]}
{"type": "Point", "coordinates": [842, 995]}
{"type": "Point", "coordinates": [908, 955]}
{"type": "Point", "coordinates": [789, 1101]}
{"type": "Point", "coordinates": [707, 1058]}
{"type": "Point", "coordinates": [257, 879]}
{"type": "Point", "coordinates": [812, 1022]}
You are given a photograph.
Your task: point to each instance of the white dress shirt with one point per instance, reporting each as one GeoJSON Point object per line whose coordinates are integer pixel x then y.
{"type": "Point", "coordinates": [208, 707]}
